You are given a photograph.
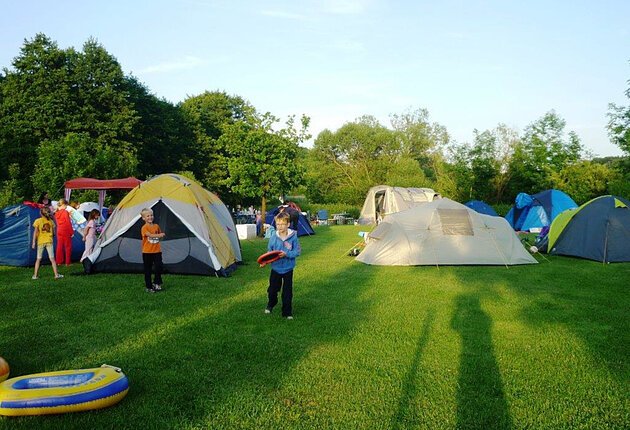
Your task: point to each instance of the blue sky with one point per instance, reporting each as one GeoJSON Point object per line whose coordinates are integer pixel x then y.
{"type": "Point", "coordinates": [472, 64]}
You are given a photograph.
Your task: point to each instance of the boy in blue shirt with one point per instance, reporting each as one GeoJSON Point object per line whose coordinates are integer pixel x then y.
{"type": "Point", "coordinates": [281, 277]}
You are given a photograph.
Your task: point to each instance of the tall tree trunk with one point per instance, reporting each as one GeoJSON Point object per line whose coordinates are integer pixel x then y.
{"type": "Point", "coordinates": [263, 211]}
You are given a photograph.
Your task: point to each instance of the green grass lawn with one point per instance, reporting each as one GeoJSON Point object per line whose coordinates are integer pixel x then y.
{"type": "Point", "coordinates": [538, 346]}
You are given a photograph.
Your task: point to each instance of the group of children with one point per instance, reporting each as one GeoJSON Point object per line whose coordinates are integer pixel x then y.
{"type": "Point", "coordinates": [280, 279]}
{"type": "Point", "coordinates": [44, 231]}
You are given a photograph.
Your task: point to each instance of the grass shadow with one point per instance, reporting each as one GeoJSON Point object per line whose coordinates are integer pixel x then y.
{"type": "Point", "coordinates": [215, 355]}
{"type": "Point", "coordinates": [481, 399]}
{"type": "Point", "coordinates": [409, 388]}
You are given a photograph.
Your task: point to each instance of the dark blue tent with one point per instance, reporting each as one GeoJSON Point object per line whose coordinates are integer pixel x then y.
{"type": "Point", "coordinates": [598, 230]}
{"type": "Point", "coordinates": [16, 234]}
{"type": "Point", "coordinates": [538, 210]}
{"type": "Point", "coordinates": [481, 207]}
{"type": "Point", "coordinates": [298, 221]}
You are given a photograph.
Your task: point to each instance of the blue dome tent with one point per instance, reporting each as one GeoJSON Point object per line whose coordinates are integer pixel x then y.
{"type": "Point", "coordinates": [538, 210]}
{"type": "Point", "coordinates": [481, 207]}
{"type": "Point", "coordinates": [16, 235]}
{"type": "Point", "coordinates": [298, 221]}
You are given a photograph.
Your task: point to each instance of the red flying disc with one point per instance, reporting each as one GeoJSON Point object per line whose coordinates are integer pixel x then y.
{"type": "Point", "coordinates": [269, 257]}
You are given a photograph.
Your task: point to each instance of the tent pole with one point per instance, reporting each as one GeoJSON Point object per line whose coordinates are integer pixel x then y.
{"type": "Point", "coordinates": [606, 243]}
{"type": "Point", "coordinates": [302, 224]}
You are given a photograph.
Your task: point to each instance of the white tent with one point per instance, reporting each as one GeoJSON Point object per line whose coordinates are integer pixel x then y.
{"type": "Point", "coordinates": [443, 232]}
{"type": "Point", "coordinates": [86, 207]}
{"type": "Point", "coordinates": [383, 200]}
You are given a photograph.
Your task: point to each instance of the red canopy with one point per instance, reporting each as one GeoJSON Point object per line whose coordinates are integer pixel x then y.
{"type": "Point", "coordinates": [102, 184]}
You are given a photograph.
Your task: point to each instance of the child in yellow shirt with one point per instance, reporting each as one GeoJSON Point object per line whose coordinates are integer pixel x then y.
{"type": "Point", "coordinates": [43, 231]}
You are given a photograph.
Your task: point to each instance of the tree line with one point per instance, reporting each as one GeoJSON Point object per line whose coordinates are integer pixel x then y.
{"type": "Point", "coordinates": [66, 113]}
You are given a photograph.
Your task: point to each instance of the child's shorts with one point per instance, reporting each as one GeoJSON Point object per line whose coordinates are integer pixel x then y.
{"type": "Point", "coordinates": [49, 250]}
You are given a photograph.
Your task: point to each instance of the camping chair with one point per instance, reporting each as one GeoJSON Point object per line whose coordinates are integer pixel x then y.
{"type": "Point", "coordinates": [322, 217]}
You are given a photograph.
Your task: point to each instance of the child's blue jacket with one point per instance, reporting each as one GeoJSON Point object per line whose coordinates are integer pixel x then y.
{"type": "Point", "coordinates": [290, 246]}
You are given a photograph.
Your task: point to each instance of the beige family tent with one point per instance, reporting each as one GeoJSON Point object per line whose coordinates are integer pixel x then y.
{"type": "Point", "coordinates": [383, 200]}
{"type": "Point", "coordinates": [443, 232]}
{"type": "Point", "coordinates": [200, 234]}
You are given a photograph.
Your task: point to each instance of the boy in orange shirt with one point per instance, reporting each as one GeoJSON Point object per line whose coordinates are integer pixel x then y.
{"type": "Point", "coordinates": [151, 251]}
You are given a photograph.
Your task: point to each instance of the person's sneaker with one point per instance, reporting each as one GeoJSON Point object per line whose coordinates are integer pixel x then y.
{"type": "Point", "coordinates": [149, 290]}
{"type": "Point", "coordinates": [34, 277]}
{"type": "Point", "coordinates": [59, 276]}
{"type": "Point", "coordinates": [289, 317]}
{"type": "Point", "coordinates": [267, 310]}
{"type": "Point", "coordinates": [157, 287]}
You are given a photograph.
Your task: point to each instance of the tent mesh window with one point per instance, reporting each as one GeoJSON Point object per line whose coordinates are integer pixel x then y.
{"type": "Point", "coordinates": [455, 222]}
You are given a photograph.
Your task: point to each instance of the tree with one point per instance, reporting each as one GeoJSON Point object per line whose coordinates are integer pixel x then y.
{"type": "Point", "coordinates": [421, 139]}
{"type": "Point", "coordinates": [406, 172]}
{"type": "Point", "coordinates": [9, 188]}
{"type": "Point", "coordinates": [207, 115]}
{"type": "Point", "coordinates": [619, 124]}
{"type": "Point", "coordinates": [584, 180]}
{"type": "Point", "coordinates": [356, 157]}
{"type": "Point", "coordinates": [481, 170]}
{"type": "Point", "coordinates": [79, 155]}
{"type": "Point", "coordinates": [164, 140]}
{"type": "Point", "coordinates": [54, 97]}
{"type": "Point", "coordinates": [34, 101]}
{"type": "Point", "coordinates": [546, 149]}
{"type": "Point", "coordinates": [319, 184]}
{"type": "Point", "coordinates": [459, 170]}
{"type": "Point", "coordinates": [262, 159]}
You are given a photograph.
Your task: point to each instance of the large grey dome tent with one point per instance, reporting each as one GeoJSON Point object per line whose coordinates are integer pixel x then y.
{"type": "Point", "coordinates": [443, 232]}
{"type": "Point", "coordinates": [383, 200]}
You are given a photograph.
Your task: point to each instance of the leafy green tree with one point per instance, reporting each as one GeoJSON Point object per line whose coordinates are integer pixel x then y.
{"type": "Point", "coordinates": [546, 148]}
{"type": "Point", "coordinates": [619, 124]}
{"type": "Point", "coordinates": [164, 140]}
{"type": "Point", "coordinates": [356, 157]}
{"type": "Point", "coordinates": [262, 158]}
{"type": "Point", "coordinates": [321, 180]}
{"type": "Point", "coordinates": [459, 171]}
{"type": "Point", "coordinates": [34, 99]}
{"type": "Point", "coordinates": [9, 188]}
{"type": "Point", "coordinates": [481, 170]}
{"type": "Point", "coordinates": [484, 165]}
{"type": "Point", "coordinates": [207, 115]}
{"type": "Point", "coordinates": [584, 180]}
{"type": "Point", "coordinates": [52, 96]}
{"type": "Point", "coordinates": [79, 155]}
{"type": "Point", "coordinates": [421, 139]}
{"type": "Point", "coordinates": [406, 172]}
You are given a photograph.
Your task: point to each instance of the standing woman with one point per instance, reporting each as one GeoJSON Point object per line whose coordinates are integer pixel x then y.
{"type": "Point", "coordinates": [45, 200]}
{"type": "Point", "coordinates": [64, 234]}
